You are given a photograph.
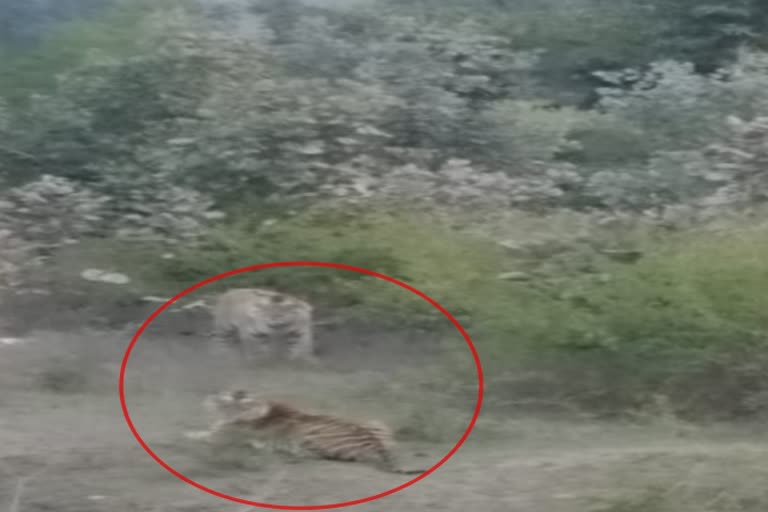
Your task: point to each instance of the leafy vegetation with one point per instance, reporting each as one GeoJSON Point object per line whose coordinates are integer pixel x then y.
{"type": "Point", "coordinates": [584, 195]}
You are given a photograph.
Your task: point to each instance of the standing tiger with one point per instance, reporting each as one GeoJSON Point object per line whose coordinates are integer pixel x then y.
{"type": "Point", "coordinates": [254, 315]}
{"type": "Point", "coordinates": [278, 426]}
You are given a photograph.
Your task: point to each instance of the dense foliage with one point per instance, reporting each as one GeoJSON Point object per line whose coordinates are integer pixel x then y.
{"type": "Point", "coordinates": [560, 175]}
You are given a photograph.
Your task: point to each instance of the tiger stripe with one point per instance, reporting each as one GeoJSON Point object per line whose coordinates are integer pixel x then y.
{"type": "Point", "coordinates": [285, 428]}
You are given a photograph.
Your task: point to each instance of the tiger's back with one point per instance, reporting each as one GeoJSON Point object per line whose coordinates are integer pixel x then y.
{"type": "Point", "coordinates": [254, 315]}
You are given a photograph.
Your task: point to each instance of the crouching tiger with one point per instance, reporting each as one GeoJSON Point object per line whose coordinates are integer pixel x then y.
{"type": "Point", "coordinates": [280, 427]}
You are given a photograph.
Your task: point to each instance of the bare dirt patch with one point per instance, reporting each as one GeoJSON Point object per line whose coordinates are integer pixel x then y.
{"type": "Point", "coordinates": [64, 445]}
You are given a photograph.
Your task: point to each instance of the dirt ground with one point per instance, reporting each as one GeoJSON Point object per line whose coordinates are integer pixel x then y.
{"type": "Point", "coordinates": [65, 446]}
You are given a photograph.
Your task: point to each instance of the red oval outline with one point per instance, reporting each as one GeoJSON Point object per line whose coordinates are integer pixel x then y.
{"type": "Point", "coordinates": [451, 453]}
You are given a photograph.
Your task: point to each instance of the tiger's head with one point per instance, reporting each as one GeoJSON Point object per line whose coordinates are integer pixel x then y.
{"type": "Point", "coordinates": [238, 407]}
{"type": "Point", "coordinates": [228, 403]}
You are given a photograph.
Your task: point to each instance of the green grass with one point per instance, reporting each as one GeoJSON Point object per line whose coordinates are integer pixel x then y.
{"type": "Point", "coordinates": [687, 321]}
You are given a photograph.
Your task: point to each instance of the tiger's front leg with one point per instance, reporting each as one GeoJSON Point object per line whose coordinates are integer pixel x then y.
{"type": "Point", "coordinates": [216, 434]}
{"type": "Point", "coordinates": [303, 348]}
{"type": "Point", "coordinates": [255, 345]}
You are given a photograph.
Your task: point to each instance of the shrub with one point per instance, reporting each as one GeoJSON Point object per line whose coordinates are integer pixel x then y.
{"type": "Point", "coordinates": [526, 132]}
{"type": "Point", "coordinates": [676, 108]}
{"type": "Point", "coordinates": [685, 321]}
{"type": "Point", "coordinates": [114, 28]}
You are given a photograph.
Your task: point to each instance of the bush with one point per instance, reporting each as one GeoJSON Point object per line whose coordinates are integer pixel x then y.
{"type": "Point", "coordinates": [425, 255]}
{"type": "Point", "coordinates": [676, 108]}
{"type": "Point", "coordinates": [686, 321]}
{"type": "Point", "coordinates": [605, 141]}
{"type": "Point", "coordinates": [526, 132]}
{"type": "Point", "coordinates": [113, 30]}
{"type": "Point", "coordinates": [397, 165]}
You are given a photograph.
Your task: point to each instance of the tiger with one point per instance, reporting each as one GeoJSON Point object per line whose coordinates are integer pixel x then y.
{"type": "Point", "coordinates": [253, 315]}
{"type": "Point", "coordinates": [283, 428]}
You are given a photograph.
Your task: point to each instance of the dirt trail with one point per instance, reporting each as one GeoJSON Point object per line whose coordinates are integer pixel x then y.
{"type": "Point", "coordinates": [74, 452]}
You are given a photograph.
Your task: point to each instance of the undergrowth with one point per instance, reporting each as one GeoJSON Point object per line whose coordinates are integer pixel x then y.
{"type": "Point", "coordinates": [686, 321]}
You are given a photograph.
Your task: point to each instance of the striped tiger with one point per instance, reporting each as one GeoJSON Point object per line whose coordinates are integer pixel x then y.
{"type": "Point", "coordinates": [283, 428]}
{"type": "Point", "coordinates": [254, 315]}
